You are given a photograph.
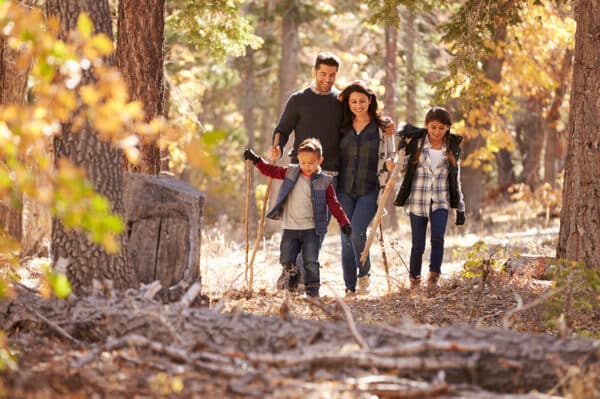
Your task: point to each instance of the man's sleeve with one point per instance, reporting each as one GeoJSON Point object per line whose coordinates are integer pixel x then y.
{"type": "Point", "coordinates": [287, 121]}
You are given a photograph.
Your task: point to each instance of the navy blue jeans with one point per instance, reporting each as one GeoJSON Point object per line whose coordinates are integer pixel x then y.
{"type": "Point", "coordinates": [307, 244]}
{"type": "Point", "coordinates": [299, 260]}
{"type": "Point", "coordinates": [418, 224]}
{"type": "Point", "coordinates": [360, 211]}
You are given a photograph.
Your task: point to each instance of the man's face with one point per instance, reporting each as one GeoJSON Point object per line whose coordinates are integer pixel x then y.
{"type": "Point", "coordinates": [325, 76]}
{"type": "Point", "coordinates": [309, 162]}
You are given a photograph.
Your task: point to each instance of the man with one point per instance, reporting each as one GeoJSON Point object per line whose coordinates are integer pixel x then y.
{"type": "Point", "coordinates": [315, 111]}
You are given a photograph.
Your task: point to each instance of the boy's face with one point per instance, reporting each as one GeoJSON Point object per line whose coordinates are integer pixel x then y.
{"type": "Point", "coordinates": [309, 162]}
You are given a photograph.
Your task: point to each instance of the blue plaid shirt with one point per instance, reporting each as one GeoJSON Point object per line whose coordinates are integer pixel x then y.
{"type": "Point", "coordinates": [430, 187]}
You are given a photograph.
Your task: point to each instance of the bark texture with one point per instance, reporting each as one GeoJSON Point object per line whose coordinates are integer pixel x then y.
{"type": "Point", "coordinates": [579, 236]}
{"type": "Point", "coordinates": [410, 38]}
{"type": "Point", "coordinates": [103, 165]}
{"type": "Point", "coordinates": [140, 58]}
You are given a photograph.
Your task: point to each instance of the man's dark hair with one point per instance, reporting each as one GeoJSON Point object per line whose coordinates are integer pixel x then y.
{"type": "Point", "coordinates": [311, 145]}
{"type": "Point", "coordinates": [327, 58]}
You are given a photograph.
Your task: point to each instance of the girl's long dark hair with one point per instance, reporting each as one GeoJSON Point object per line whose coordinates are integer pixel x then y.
{"type": "Point", "coordinates": [442, 116]}
{"type": "Point", "coordinates": [358, 86]}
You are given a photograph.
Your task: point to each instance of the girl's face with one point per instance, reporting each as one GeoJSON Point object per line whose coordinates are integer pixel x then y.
{"type": "Point", "coordinates": [309, 162]}
{"type": "Point", "coordinates": [436, 131]}
{"type": "Point", "coordinates": [359, 103]}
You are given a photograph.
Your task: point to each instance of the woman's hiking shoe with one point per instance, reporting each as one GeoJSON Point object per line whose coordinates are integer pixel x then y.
{"type": "Point", "coordinates": [363, 285]}
{"type": "Point", "coordinates": [432, 282]}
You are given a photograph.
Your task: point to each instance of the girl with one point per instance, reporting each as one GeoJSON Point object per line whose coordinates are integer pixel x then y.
{"type": "Point", "coordinates": [431, 186]}
{"type": "Point", "coordinates": [363, 152]}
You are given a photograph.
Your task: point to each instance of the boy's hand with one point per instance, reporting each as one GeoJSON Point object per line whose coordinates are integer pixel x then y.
{"type": "Point", "coordinates": [347, 229]}
{"type": "Point", "coordinates": [251, 155]}
{"type": "Point", "coordinates": [460, 218]}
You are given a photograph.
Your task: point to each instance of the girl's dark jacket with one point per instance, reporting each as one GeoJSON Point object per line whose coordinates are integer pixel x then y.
{"type": "Point", "coordinates": [410, 137]}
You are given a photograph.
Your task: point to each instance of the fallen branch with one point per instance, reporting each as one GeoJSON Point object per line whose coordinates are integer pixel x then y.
{"type": "Point", "coordinates": [61, 331]}
{"type": "Point", "coordinates": [350, 320]}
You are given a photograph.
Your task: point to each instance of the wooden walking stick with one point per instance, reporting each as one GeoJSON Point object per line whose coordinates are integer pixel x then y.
{"type": "Point", "coordinates": [389, 187]}
{"type": "Point", "coordinates": [246, 217]}
{"type": "Point", "coordinates": [261, 223]}
{"type": "Point", "coordinates": [385, 260]}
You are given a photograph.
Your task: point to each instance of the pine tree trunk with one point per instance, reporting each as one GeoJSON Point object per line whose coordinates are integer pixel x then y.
{"type": "Point", "coordinates": [531, 129]}
{"type": "Point", "coordinates": [472, 178]}
{"type": "Point", "coordinates": [13, 84]}
{"type": "Point", "coordinates": [103, 165]}
{"type": "Point", "coordinates": [390, 101]}
{"type": "Point", "coordinates": [288, 75]}
{"type": "Point", "coordinates": [579, 236]}
{"type": "Point", "coordinates": [140, 58]}
{"type": "Point", "coordinates": [553, 158]}
{"type": "Point", "coordinates": [410, 38]}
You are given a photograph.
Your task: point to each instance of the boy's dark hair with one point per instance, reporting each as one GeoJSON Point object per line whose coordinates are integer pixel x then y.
{"type": "Point", "coordinates": [311, 145]}
{"type": "Point", "coordinates": [327, 58]}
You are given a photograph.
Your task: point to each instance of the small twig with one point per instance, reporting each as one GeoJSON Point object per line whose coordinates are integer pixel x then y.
{"type": "Point", "coordinates": [61, 331]}
{"type": "Point", "coordinates": [350, 320]}
{"type": "Point", "coordinates": [151, 289]}
{"type": "Point", "coordinates": [521, 308]}
{"type": "Point", "coordinates": [328, 311]}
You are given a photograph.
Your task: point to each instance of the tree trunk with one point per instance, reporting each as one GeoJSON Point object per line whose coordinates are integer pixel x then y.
{"type": "Point", "coordinates": [472, 178]}
{"type": "Point", "coordinates": [103, 165]}
{"type": "Point", "coordinates": [13, 85]}
{"type": "Point", "coordinates": [554, 157]}
{"type": "Point", "coordinates": [247, 104]}
{"type": "Point", "coordinates": [504, 167]}
{"type": "Point", "coordinates": [140, 58]}
{"type": "Point", "coordinates": [390, 101]}
{"type": "Point", "coordinates": [288, 75]}
{"type": "Point", "coordinates": [579, 236]}
{"type": "Point", "coordinates": [530, 127]}
{"type": "Point", "coordinates": [410, 38]}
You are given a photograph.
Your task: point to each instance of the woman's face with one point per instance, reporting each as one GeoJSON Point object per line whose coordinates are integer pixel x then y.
{"type": "Point", "coordinates": [436, 131]}
{"type": "Point", "coordinates": [359, 103]}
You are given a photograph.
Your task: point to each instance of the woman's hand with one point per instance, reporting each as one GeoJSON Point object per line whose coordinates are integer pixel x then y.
{"type": "Point", "coordinates": [389, 165]}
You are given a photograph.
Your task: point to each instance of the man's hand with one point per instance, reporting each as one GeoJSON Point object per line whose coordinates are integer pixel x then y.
{"type": "Point", "coordinates": [347, 229]}
{"type": "Point", "coordinates": [274, 153]}
{"type": "Point", "coordinates": [460, 218]}
{"type": "Point", "coordinates": [251, 155]}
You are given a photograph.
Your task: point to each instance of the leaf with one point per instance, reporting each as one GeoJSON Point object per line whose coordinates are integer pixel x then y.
{"type": "Point", "coordinates": [85, 27]}
{"type": "Point", "coordinates": [61, 286]}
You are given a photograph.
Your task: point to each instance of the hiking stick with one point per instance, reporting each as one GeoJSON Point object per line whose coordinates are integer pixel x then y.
{"type": "Point", "coordinates": [261, 223]}
{"type": "Point", "coordinates": [389, 187]}
{"type": "Point", "coordinates": [385, 260]}
{"type": "Point", "coordinates": [246, 217]}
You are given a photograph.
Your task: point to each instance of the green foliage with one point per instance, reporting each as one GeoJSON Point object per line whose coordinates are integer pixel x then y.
{"type": "Point", "coordinates": [7, 359]}
{"type": "Point", "coordinates": [579, 286]}
{"type": "Point", "coordinates": [385, 12]}
{"type": "Point", "coordinates": [482, 261]}
{"type": "Point", "coordinates": [57, 283]}
{"type": "Point", "coordinates": [214, 26]}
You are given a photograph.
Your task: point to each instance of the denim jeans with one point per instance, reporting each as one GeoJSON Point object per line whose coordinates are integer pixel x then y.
{"type": "Point", "coordinates": [360, 211]}
{"type": "Point", "coordinates": [299, 260]}
{"type": "Point", "coordinates": [306, 243]}
{"type": "Point", "coordinates": [418, 225]}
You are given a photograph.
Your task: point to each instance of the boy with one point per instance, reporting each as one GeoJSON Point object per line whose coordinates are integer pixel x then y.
{"type": "Point", "coordinates": [302, 205]}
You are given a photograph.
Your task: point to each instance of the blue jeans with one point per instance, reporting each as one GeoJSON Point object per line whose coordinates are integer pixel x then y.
{"type": "Point", "coordinates": [299, 260]}
{"type": "Point", "coordinates": [307, 244]}
{"type": "Point", "coordinates": [418, 225]}
{"type": "Point", "coordinates": [360, 211]}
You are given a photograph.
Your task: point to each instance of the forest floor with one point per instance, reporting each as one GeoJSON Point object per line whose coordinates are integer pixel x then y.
{"type": "Point", "coordinates": [512, 232]}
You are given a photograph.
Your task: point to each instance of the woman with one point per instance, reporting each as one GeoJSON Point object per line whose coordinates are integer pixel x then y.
{"type": "Point", "coordinates": [364, 150]}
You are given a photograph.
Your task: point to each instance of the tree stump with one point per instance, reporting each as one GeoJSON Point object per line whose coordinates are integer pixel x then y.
{"type": "Point", "coordinates": [164, 222]}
